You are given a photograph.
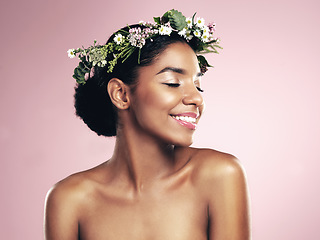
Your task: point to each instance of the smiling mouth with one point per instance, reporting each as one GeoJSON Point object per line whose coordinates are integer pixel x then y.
{"type": "Point", "coordinates": [186, 121]}
{"type": "Point", "coordinates": [184, 118]}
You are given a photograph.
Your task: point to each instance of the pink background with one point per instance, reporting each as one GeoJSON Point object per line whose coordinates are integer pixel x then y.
{"type": "Point", "coordinates": [263, 103]}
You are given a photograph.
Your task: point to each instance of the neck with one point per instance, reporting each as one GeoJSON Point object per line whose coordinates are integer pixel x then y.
{"type": "Point", "coordinates": [141, 160]}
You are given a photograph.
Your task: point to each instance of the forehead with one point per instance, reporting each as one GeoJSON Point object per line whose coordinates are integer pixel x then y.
{"type": "Point", "coordinates": [177, 55]}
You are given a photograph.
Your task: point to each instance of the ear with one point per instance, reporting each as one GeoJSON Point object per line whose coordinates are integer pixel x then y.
{"type": "Point", "coordinates": [119, 93]}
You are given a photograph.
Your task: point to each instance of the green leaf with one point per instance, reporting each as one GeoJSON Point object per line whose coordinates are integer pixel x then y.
{"type": "Point", "coordinates": [203, 61]}
{"type": "Point", "coordinates": [212, 41]}
{"type": "Point", "coordinates": [83, 59]}
{"type": "Point", "coordinates": [79, 79]}
{"type": "Point", "coordinates": [164, 19]}
{"type": "Point", "coordinates": [177, 20]}
{"type": "Point", "coordinates": [78, 73]}
{"type": "Point", "coordinates": [81, 65]}
{"type": "Point", "coordinates": [122, 31]}
{"type": "Point", "coordinates": [88, 65]}
{"type": "Point", "coordinates": [83, 68]}
{"type": "Point", "coordinates": [139, 54]}
{"type": "Point", "coordinates": [193, 17]}
{"type": "Point", "coordinates": [203, 64]}
{"type": "Point", "coordinates": [126, 53]}
{"type": "Point", "coordinates": [157, 20]}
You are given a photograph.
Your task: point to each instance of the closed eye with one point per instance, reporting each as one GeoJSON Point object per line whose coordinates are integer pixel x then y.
{"type": "Point", "coordinates": [172, 84]}
{"type": "Point", "coordinates": [178, 84]}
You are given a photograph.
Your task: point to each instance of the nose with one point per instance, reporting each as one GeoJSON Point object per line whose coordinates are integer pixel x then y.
{"type": "Point", "coordinates": [192, 96]}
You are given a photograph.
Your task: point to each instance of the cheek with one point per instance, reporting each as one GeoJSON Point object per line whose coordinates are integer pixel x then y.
{"type": "Point", "coordinates": [163, 101]}
{"type": "Point", "coordinates": [158, 99]}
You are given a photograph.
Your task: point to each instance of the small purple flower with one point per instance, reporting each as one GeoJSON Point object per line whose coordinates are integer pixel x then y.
{"type": "Point", "coordinates": [212, 27]}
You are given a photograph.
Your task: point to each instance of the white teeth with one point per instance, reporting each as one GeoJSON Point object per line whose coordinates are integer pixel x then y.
{"type": "Point", "coordinates": [185, 118]}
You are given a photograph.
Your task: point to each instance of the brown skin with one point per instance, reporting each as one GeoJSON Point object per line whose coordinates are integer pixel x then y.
{"type": "Point", "coordinates": [154, 186]}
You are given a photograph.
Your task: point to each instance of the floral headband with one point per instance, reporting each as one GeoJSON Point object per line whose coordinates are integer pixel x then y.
{"type": "Point", "coordinates": [126, 42]}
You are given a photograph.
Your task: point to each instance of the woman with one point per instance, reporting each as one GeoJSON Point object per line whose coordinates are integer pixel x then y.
{"type": "Point", "coordinates": [145, 90]}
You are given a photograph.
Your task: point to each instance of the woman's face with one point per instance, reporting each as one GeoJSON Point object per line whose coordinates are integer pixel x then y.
{"type": "Point", "coordinates": [167, 102]}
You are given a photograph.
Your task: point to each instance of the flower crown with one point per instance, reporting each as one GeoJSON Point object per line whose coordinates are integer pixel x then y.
{"type": "Point", "coordinates": [126, 42]}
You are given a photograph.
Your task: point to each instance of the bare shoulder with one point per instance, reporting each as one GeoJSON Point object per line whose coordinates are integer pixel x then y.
{"type": "Point", "coordinates": [66, 197]}
{"type": "Point", "coordinates": [62, 206]}
{"type": "Point", "coordinates": [220, 172]}
{"type": "Point", "coordinates": [214, 165]}
{"type": "Point", "coordinates": [75, 188]}
{"type": "Point", "coordinates": [221, 181]}
{"type": "Point", "coordinates": [68, 189]}
{"type": "Point", "coordinates": [65, 204]}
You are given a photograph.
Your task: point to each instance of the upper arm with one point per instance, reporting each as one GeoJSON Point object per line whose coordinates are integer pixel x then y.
{"type": "Point", "coordinates": [227, 200]}
{"type": "Point", "coordinates": [61, 214]}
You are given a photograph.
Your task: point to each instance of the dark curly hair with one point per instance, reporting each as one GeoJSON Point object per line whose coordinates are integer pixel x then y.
{"type": "Point", "coordinates": [92, 101]}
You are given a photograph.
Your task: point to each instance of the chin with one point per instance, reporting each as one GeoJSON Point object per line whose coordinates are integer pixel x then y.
{"type": "Point", "coordinates": [184, 142]}
{"type": "Point", "coordinates": [182, 145]}
{"type": "Point", "coordinates": [171, 136]}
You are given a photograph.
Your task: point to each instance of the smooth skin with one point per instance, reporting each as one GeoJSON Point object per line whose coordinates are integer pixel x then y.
{"type": "Point", "coordinates": [155, 186]}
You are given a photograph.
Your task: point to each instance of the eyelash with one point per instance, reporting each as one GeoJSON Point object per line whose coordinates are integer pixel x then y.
{"type": "Point", "coordinates": [177, 85]}
{"type": "Point", "coordinates": [200, 89]}
{"type": "Point", "coordinates": [172, 84]}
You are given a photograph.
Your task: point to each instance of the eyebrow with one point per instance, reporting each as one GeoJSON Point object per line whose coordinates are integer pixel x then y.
{"type": "Point", "coordinates": [177, 70]}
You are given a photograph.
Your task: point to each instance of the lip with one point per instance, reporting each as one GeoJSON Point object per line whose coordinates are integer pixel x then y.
{"type": "Point", "coordinates": [192, 126]}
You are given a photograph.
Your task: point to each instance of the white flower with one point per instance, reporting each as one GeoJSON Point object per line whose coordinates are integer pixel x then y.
{"type": "Point", "coordinates": [183, 32]}
{"type": "Point", "coordinates": [168, 31]}
{"type": "Point", "coordinates": [164, 30]}
{"type": "Point", "coordinates": [104, 62]}
{"type": "Point", "coordinates": [71, 53]}
{"type": "Point", "coordinates": [188, 35]}
{"type": "Point", "coordinates": [140, 43]}
{"type": "Point", "coordinates": [205, 37]}
{"type": "Point", "coordinates": [200, 22]}
{"type": "Point", "coordinates": [189, 22]}
{"type": "Point", "coordinates": [197, 33]}
{"type": "Point", "coordinates": [118, 38]}
{"type": "Point", "coordinates": [205, 29]}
